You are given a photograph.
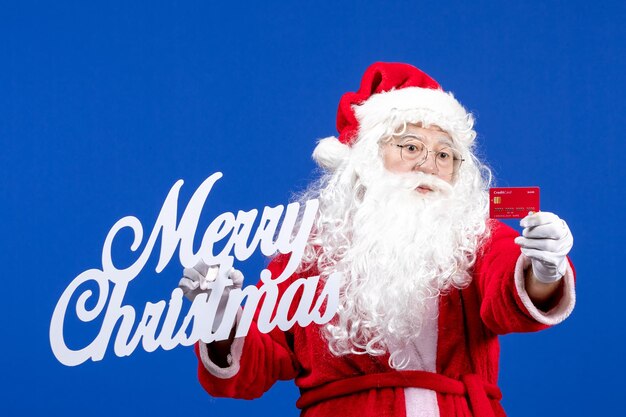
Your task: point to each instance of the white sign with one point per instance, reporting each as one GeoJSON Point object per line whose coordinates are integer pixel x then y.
{"type": "Point", "coordinates": [288, 236]}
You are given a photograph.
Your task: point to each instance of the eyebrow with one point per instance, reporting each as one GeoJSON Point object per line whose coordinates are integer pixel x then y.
{"type": "Point", "coordinates": [440, 141]}
{"type": "Point", "coordinates": [446, 141]}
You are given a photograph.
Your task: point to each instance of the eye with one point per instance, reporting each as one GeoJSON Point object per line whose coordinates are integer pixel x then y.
{"type": "Point", "coordinates": [443, 155]}
{"type": "Point", "coordinates": [413, 147]}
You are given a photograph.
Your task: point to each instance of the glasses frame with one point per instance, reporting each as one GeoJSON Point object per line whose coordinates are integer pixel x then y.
{"type": "Point", "coordinates": [405, 137]}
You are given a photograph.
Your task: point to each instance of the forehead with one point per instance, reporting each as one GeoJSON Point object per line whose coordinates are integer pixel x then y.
{"type": "Point", "coordinates": [430, 134]}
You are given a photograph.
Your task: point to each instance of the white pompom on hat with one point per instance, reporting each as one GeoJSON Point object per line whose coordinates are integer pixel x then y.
{"type": "Point", "coordinates": [330, 153]}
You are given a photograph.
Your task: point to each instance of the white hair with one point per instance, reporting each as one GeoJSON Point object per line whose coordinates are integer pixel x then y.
{"type": "Point", "coordinates": [395, 247]}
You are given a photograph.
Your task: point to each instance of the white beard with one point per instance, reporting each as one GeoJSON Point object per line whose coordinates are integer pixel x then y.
{"type": "Point", "coordinates": [397, 249]}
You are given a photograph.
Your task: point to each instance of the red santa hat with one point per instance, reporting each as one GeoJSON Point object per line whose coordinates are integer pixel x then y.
{"type": "Point", "coordinates": [393, 93]}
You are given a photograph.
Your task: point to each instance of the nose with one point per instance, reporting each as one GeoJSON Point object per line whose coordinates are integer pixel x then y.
{"type": "Point", "coordinates": [429, 166]}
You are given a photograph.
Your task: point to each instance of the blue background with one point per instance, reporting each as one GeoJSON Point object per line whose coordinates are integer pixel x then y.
{"type": "Point", "coordinates": [104, 105]}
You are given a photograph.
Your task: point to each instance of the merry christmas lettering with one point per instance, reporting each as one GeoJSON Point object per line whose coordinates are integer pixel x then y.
{"type": "Point", "coordinates": [287, 237]}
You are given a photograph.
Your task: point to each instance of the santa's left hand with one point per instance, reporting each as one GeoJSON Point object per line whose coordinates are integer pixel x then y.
{"type": "Point", "coordinates": [546, 240]}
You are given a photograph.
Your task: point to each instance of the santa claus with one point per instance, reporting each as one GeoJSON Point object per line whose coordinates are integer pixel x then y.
{"type": "Point", "coordinates": [428, 282]}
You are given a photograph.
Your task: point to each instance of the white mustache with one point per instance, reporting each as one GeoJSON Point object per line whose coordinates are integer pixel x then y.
{"type": "Point", "coordinates": [414, 180]}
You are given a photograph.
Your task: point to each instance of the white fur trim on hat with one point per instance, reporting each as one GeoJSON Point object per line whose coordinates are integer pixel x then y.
{"type": "Point", "coordinates": [330, 153]}
{"type": "Point", "coordinates": [413, 104]}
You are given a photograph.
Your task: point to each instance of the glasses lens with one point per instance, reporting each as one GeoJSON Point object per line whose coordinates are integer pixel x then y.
{"type": "Point", "coordinates": [412, 150]}
{"type": "Point", "coordinates": [448, 161]}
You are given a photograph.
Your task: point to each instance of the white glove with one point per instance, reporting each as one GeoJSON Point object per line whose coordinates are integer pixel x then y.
{"type": "Point", "coordinates": [198, 280]}
{"type": "Point", "coordinates": [546, 240]}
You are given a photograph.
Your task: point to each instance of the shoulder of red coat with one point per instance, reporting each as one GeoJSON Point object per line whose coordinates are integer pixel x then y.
{"type": "Point", "coordinates": [499, 230]}
{"type": "Point", "coordinates": [278, 263]}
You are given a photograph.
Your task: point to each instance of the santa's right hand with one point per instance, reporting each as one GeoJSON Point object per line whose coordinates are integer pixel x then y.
{"type": "Point", "coordinates": [198, 279]}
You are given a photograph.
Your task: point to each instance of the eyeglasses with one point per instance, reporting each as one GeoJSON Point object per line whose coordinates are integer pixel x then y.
{"type": "Point", "coordinates": [447, 160]}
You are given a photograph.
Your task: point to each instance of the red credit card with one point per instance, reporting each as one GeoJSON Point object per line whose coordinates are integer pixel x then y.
{"type": "Point", "coordinates": [512, 202]}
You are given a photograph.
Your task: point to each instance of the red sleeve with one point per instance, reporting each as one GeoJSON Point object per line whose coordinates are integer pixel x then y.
{"type": "Point", "coordinates": [264, 358]}
{"type": "Point", "coordinates": [505, 306]}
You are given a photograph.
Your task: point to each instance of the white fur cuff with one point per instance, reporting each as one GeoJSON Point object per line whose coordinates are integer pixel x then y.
{"type": "Point", "coordinates": [234, 357]}
{"type": "Point", "coordinates": [559, 312]}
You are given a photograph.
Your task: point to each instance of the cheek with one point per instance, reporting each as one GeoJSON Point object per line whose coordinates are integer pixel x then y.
{"type": "Point", "coordinates": [393, 162]}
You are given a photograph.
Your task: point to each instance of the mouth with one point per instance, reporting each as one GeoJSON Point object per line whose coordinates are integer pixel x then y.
{"type": "Point", "coordinates": [424, 189]}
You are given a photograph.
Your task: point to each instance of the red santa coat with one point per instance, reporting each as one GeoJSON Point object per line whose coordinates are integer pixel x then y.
{"type": "Point", "coordinates": [455, 369]}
